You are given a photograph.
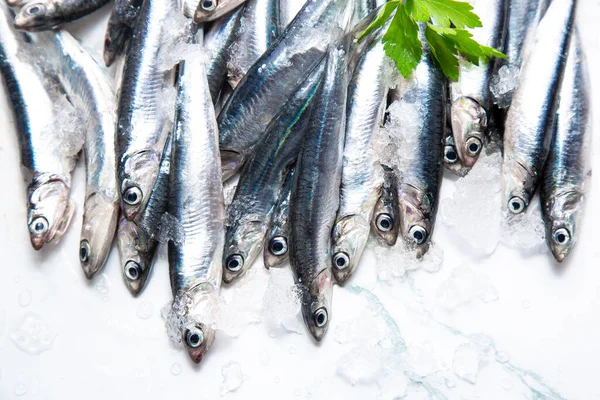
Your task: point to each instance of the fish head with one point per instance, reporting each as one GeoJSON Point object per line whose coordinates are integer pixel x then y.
{"type": "Point", "coordinates": [198, 334]}
{"type": "Point", "coordinates": [349, 237]}
{"type": "Point", "coordinates": [519, 185]}
{"type": "Point", "coordinates": [416, 222]}
{"type": "Point", "coordinates": [137, 176]}
{"type": "Point", "coordinates": [469, 123]}
{"type": "Point", "coordinates": [561, 223]}
{"type": "Point", "coordinates": [316, 303]}
{"type": "Point", "coordinates": [243, 243]}
{"type": "Point", "coordinates": [231, 162]}
{"type": "Point", "coordinates": [136, 250]}
{"type": "Point", "coordinates": [385, 223]}
{"type": "Point", "coordinates": [37, 15]}
{"type": "Point", "coordinates": [276, 251]}
{"type": "Point", "coordinates": [100, 213]}
{"type": "Point", "coordinates": [198, 338]}
{"type": "Point", "coordinates": [50, 212]}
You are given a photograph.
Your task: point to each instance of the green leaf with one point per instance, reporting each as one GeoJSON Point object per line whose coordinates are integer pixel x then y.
{"type": "Point", "coordinates": [443, 52]}
{"type": "Point", "coordinates": [401, 42]}
{"type": "Point", "coordinates": [444, 12]}
{"type": "Point", "coordinates": [381, 19]}
{"type": "Point", "coordinates": [465, 44]}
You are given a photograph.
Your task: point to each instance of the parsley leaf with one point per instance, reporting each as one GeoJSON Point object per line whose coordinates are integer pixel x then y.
{"type": "Point", "coordinates": [382, 18]}
{"type": "Point", "coordinates": [401, 42]}
{"type": "Point", "coordinates": [444, 12]}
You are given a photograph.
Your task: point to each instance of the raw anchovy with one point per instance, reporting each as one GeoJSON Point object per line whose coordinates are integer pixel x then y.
{"type": "Point", "coordinates": [258, 30]}
{"type": "Point", "coordinates": [210, 10]}
{"type": "Point", "coordinates": [421, 149]}
{"type": "Point", "coordinates": [275, 77]}
{"type": "Point", "coordinates": [315, 197]}
{"type": "Point", "coordinates": [277, 237]}
{"type": "Point", "coordinates": [530, 119]}
{"type": "Point", "coordinates": [196, 201]}
{"type": "Point", "coordinates": [43, 15]}
{"type": "Point", "coordinates": [470, 96]}
{"type": "Point", "coordinates": [224, 95]}
{"type": "Point", "coordinates": [256, 194]}
{"type": "Point", "coordinates": [119, 29]}
{"type": "Point", "coordinates": [89, 88]}
{"type": "Point", "coordinates": [523, 19]}
{"type": "Point", "coordinates": [218, 40]}
{"type": "Point", "coordinates": [143, 115]}
{"type": "Point", "coordinates": [385, 223]}
{"type": "Point", "coordinates": [137, 239]}
{"type": "Point", "coordinates": [567, 171]}
{"type": "Point", "coordinates": [360, 187]}
{"type": "Point", "coordinates": [288, 9]}
{"type": "Point", "coordinates": [47, 154]}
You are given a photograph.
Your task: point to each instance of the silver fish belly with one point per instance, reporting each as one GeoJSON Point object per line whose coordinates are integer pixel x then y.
{"type": "Point", "coordinates": [530, 119]}
{"type": "Point", "coordinates": [523, 20]}
{"type": "Point", "coordinates": [288, 10]}
{"type": "Point", "coordinates": [567, 172]}
{"type": "Point", "coordinates": [119, 29]}
{"type": "Point", "coordinates": [41, 15]}
{"type": "Point", "coordinates": [277, 238]}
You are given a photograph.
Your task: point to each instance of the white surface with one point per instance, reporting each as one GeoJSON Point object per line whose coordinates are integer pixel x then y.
{"type": "Point", "coordinates": [109, 345]}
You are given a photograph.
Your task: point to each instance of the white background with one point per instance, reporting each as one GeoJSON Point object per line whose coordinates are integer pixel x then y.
{"type": "Point", "coordinates": [543, 317]}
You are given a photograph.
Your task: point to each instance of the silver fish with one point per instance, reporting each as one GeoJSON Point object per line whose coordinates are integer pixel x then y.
{"type": "Point", "coordinates": [224, 94]}
{"type": "Point", "coordinates": [421, 147]}
{"type": "Point", "coordinates": [119, 29]}
{"type": "Point", "coordinates": [210, 10]}
{"type": "Point", "coordinates": [217, 41]}
{"type": "Point", "coordinates": [259, 28]}
{"type": "Point", "coordinates": [385, 223]}
{"type": "Point", "coordinates": [89, 88]}
{"type": "Point", "coordinates": [288, 10]}
{"type": "Point", "coordinates": [566, 174]}
{"type": "Point", "coordinates": [143, 116]}
{"type": "Point", "coordinates": [361, 183]}
{"type": "Point", "coordinates": [47, 154]}
{"type": "Point", "coordinates": [252, 207]}
{"type": "Point", "coordinates": [41, 15]}
{"type": "Point", "coordinates": [315, 197]}
{"type": "Point", "coordinates": [137, 239]}
{"type": "Point", "coordinates": [278, 235]}
{"type": "Point", "coordinates": [523, 19]}
{"type": "Point", "coordinates": [530, 119]}
{"type": "Point", "coordinates": [470, 96]}
{"type": "Point", "coordinates": [275, 77]}
{"type": "Point", "coordinates": [196, 201]}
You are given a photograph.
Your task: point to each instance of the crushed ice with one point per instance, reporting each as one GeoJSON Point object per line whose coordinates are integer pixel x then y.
{"type": "Point", "coordinates": [281, 303]}
{"type": "Point", "coordinates": [469, 357]}
{"type": "Point", "coordinates": [170, 229]}
{"type": "Point", "coordinates": [145, 310]}
{"type": "Point", "coordinates": [463, 286]}
{"type": "Point", "coordinates": [232, 377]}
{"type": "Point", "coordinates": [503, 85]}
{"type": "Point", "coordinates": [525, 231]}
{"type": "Point", "coordinates": [32, 335]}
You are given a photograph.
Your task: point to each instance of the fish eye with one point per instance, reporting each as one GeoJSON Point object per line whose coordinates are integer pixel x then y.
{"type": "Point", "coordinates": [516, 205]}
{"type": "Point", "coordinates": [278, 246]}
{"type": "Point", "coordinates": [36, 9]}
{"type": "Point", "coordinates": [84, 251]}
{"type": "Point", "coordinates": [450, 155]}
{"type": "Point", "coordinates": [474, 146]}
{"type": "Point", "coordinates": [208, 5]}
{"type": "Point", "coordinates": [341, 260]}
{"type": "Point", "coordinates": [132, 270]}
{"type": "Point", "coordinates": [194, 337]}
{"type": "Point", "coordinates": [385, 222]}
{"type": "Point", "coordinates": [320, 317]}
{"type": "Point", "coordinates": [234, 263]}
{"type": "Point", "coordinates": [132, 196]}
{"type": "Point", "coordinates": [38, 226]}
{"type": "Point", "coordinates": [561, 236]}
{"type": "Point", "coordinates": [418, 234]}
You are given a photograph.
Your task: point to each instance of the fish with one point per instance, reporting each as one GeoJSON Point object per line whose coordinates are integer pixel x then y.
{"type": "Point", "coordinates": [223, 96]}
{"type": "Point", "coordinates": [42, 15]}
{"type": "Point", "coordinates": [315, 195]}
{"type": "Point", "coordinates": [470, 96]}
{"type": "Point", "coordinates": [420, 151]}
{"type": "Point", "coordinates": [90, 90]}
{"type": "Point", "coordinates": [137, 240]}
{"type": "Point", "coordinates": [523, 19]}
{"type": "Point", "coordinates": [274, 78]}
{"type": "Point", "coordinates": [143, 109]}
{"type": "Point", "coordinates": [361, 182]}
{"type": "Point", "coordinates": [196, 202]}
{"type": "Point", "coordinates": [217, 41]}
{"type": "Point", "coordinates": [256, 193]}
{"type": "Point", "coordinates": [259, 27]}
{"type": "Point", "coordinates": [385, 223]}
{"type": "Point", "coordinates": [288, 9]}
{"type": "Point", "coordinates": [48, 149]}
{"type": "Point", "coordinates": [278, 235]}
{"type": "Point", "coordinates": [210, 10]}
{"type": "Point", "coordinates": [119, 29]}
{"type": "Point", "coordinates": [567, 172]}
{"type": "Point", "coordinates": [530, 119]}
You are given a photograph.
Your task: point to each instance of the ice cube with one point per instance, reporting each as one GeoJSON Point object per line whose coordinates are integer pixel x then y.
{"type": "Point", "coordinates": [503, 85]}
{"type": "Point", "coordinates": [32, 334]}
{"type": "Point", "coordinates": [469, 357]}
{"type": "Point", "coordinates": [524, 231]}
{"type": "Point", "coordinates": [281, 302]}
{"type": "Point", "coordinates": [170, 229]}
{"type": "Point", "coordinates": [463, 286]}
{"type": "Point", "coordinates": [232, 377]}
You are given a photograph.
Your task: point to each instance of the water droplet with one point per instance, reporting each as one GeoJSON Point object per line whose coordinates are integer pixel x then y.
{"type": "Point", "coordinates": [17, 279]}
{"type": "Point", "coordinates": [276, 379]}
{"type": "Point", "coordinates": [176, 369]}
{"type": "Point", "coordinates": [20, 389]}
{"type": "Point", "coordinates": [25, 298]}
{"type": "Point", "coordinates": [296, 392]}
{"type": "Point", "coordinates": [526, 304]}
{"type": "Point", "coordinates": [32, 335]}
{"type": "Point", "coordinates": [102, 285]}
{"type": "Point", "coordinates": [292, 350]}
{"type": "Point", "coordinates": [502, 357]}
{"type": "Point", "coordinates": [105, 298]}
{"type": "Point", "coordinates": [145, 310]}
{"type": "Point", "coordinates": [449, 383]}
